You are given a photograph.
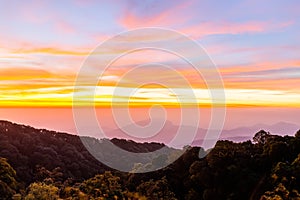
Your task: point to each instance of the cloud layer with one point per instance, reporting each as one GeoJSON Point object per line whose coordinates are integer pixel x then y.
{"type": "Point", "coordinates": [254, 45]}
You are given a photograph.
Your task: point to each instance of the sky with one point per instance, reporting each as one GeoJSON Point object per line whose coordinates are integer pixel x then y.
{"type": "Point", "coordinates": [254, 45]}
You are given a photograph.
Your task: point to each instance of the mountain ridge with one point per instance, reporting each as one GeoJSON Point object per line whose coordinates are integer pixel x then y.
{"type": "Point", "coordinates": [26, 148]}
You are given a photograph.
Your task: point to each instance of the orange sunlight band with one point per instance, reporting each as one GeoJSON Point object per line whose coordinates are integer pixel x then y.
{"type": "Point", "coordinates": [69, 104]}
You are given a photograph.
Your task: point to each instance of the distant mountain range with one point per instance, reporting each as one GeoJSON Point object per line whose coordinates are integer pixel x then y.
{"type": "Point", "coordinates": [238, 134]}
{"type": "Point", "coordinates": [280, 128]}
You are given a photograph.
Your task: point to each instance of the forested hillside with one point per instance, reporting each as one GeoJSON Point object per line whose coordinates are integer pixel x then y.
{"type": "Point", "coordinates": [41, 164]}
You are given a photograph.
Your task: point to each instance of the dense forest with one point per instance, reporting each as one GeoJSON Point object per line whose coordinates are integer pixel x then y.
{"type": "Point", "coordinates": [42, 164]}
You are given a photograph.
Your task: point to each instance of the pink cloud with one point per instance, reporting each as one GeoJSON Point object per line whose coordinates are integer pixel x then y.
{"type": "Point", "coordinates": [173, 18]}
{"type": "Point", "coordinates": [166, 18]}
{"type": "Point", "coordinates": [15, 45]}
{"type": "Point", "coordinates": [34, 12]}
{"type": "Point", "coordinates": [211, 28]}
{"type": "Point", "coordinates": [64, 27]}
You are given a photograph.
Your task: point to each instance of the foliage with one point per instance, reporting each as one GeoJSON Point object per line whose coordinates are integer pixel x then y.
{"type": "Point", "coordinates": [261, 137]}
{"type": "Point", "coordinates": [40, 191]}
{"type": "Point", "coordinates": [155, 190]}
{"type": "Point", "coordinates": [29, 149]}
{"type": "Point", "coordinates": [103, 185]}
{"type": "Point", "coordinates": [59, 167]}
{"type": "Point", "coordinates": [297, 135]}
{"type": "Point", "coordinates": [8, 183]}
{"type": "Point", "coordinates": [285, 179]}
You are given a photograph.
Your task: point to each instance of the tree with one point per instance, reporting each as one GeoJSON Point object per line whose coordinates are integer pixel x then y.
{"type": "Point", "coordinates": [284, 180]}
{"type": "Point", "coordinates": [54, 176]}
{"type": "Point", "coordinates": [73, 193]}
{"type": "Point", "coordinates": [156, 189]}
{"type": "Point", "coordinates": [103, 185]}
{"type": "Point", "coordinates": [8, 183]}
{"type": "Point", "coordinates": [42, 191]}
{"type": "Point", "coordinates": [297, 135]}
{"type": "Point", "coordinates": [261, 137]}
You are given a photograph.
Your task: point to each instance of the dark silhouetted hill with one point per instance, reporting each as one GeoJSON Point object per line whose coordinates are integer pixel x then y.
{"type": "Point", "coordinates": [57, 165]}
{"type": "Point", "coordinates": [27, 149]}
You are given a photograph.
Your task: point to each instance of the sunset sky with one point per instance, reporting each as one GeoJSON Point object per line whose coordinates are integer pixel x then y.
{"type": "Point", "coordinates": [254, 44]}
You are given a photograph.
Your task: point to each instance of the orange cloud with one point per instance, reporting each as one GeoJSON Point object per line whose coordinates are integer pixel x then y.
{"type": "Point", "coordinates": [23, 73]}
{"type": "Point", "coordinates": [282, 84]}
{"type": "Point", "coordinates": [54, 51]}
{"type": "Point", "coordinates": [260, 66]}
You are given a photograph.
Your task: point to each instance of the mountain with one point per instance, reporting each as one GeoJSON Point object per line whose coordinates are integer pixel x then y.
{"type": "Point", "coordinates": [281, 128]}
{"type": "Point", "coordinates": [59, 162]}
{"type": "Point", "coordinates": [238, 134]}
{"type": "Point", "coordinates": [27, 149]}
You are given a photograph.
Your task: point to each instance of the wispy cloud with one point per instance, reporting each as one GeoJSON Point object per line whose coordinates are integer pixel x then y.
{"type": "Point", "coordinates": [52, 51]}
{"type": "Point", "coordinates": [254, 45]}
{"type": "Point", "coordinates": [226, 27]}
{"type": "Point", "coordinates": [165, 18]}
